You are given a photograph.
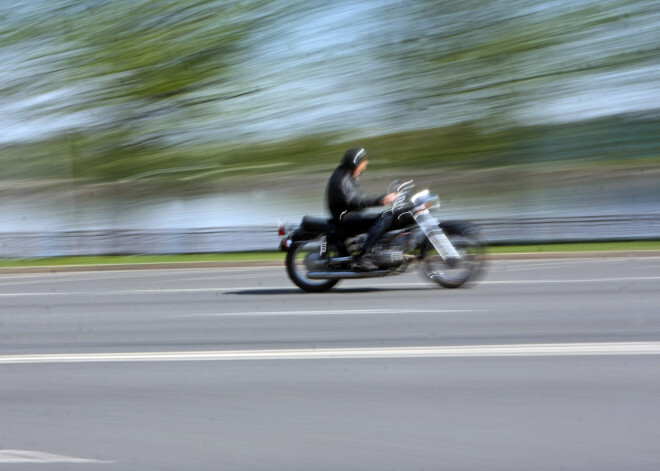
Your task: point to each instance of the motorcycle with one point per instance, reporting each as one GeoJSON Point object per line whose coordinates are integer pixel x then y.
{"type": "Point", "coordinates": [319, 252]}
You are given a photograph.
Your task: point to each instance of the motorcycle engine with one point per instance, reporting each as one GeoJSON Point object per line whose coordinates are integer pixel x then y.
{"type": "Point", "coordinates": [388, 258]}
{"type": "Point", "coordinates": [389, 253]}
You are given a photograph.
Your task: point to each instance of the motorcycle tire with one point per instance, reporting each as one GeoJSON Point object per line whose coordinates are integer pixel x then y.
{"type": "Point", "coordinates": [467, 241]}
{"type": "Point", "coordinates": [298, 260]}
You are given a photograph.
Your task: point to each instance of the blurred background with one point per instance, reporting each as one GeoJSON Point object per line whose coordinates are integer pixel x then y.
{"type": "Point", "coordinates": [169, 126]}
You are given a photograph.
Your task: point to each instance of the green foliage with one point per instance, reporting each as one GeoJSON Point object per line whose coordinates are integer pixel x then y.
{"type": "Point", "coordinates": [135, 67]}
{"type": "Point", "coordinates": [156, 50]}
{"type": "Point", "coordinates": [145, 80]}
{"type": "Point", "coordinates": [138, 259]}
{"type": "Point", "coordinates": [619, 140]}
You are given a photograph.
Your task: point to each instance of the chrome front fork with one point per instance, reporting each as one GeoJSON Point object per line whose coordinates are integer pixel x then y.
{"type": "Point", "coordinates": [440, 242]}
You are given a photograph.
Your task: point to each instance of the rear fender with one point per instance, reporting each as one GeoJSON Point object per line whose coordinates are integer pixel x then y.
{"type": "Point", "coordinates": [295, 236]}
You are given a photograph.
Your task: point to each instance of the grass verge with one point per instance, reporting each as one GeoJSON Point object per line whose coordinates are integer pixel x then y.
{"type": "Point", "coordinates": [257, 256]}
{"type": "Point", "coordinates": [130, 259]}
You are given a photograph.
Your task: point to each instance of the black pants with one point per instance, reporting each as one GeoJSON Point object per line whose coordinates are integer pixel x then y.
{"type": "Point", "coordinates": [375, 225]}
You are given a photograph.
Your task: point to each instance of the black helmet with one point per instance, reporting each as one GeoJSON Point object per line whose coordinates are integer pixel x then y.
{"type": "Point", "coordinates": [353, 157]}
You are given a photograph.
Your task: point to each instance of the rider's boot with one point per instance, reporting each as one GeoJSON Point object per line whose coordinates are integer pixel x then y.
{"type": "Point", "coordinates": [364, 262]}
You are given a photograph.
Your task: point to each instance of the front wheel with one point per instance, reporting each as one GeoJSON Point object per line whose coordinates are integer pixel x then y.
{"type": "Point", "coordinates": [455, 273]}
{"type": "Point", "coordinates": [302, 258]}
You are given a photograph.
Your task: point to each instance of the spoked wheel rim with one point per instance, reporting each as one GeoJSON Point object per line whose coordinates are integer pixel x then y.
{"type": "Point", "coordinates": [454, 273]}
{"type": "Point", "coordinates": [303, 259]}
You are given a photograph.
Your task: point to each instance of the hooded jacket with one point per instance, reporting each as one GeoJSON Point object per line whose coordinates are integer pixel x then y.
{"type": "Point", "coordinates": [343, 193]}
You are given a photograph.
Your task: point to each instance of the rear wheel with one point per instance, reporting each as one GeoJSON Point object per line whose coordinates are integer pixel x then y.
{"type": "Point", "coordinates": [455, 273]}
{"type": "Point", "coordinates": [303, 258]}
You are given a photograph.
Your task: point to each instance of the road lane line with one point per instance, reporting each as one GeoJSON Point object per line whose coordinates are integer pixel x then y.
{"type": "Point", "coordinates": [584, 280]}
{"type": "Point", "coordinates": [93, 277]}
{"type": "Point", "coordinates": [487, 351]}
{"type": "Point", "coordinates": [287, 287]}
{"type": "Point", "coordinates": [533, 265]}
{"type": "Point", "coordinates": [124, 292]}
{"type": "Point", "coordinates": [330, 312]}
{"type": "Point", "coordinates": [39, 457]}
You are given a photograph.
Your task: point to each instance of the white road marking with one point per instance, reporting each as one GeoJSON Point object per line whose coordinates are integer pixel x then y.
{"type": "Point", "coordinates": [292, 287]}
{"type": "Point", "coordinates": [220, 276]}
{"type": "Point", "coordinates": [48, 277]}
{"type": "Point", "coordinates": [650, 266]}
{"type": "Point", "coordinates": [586, 280]}
{"type": "Point", "coordinates": [49, 281]}
{"type": "Point", "coordinates": [533, 265]}
{"type": "Point", "coordinates": [514, 350]}
{"type": "Point", "coordinates": [124, 292]}
{"type": "Point", "coordinates": [329, 312]}
{"type": "Point", "coordinates": [39, 457]}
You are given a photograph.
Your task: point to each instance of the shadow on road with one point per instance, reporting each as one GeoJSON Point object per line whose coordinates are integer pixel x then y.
{"type": "Point", "coordinates": [279, 291]}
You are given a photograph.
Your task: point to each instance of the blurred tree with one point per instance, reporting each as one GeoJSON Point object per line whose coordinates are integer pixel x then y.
{"type": "Point", "coordinates": [108, 90]}
{"type": "Point", "coordinates": [131, 70]}
{"type": "Point", "coordinates": [494, 61]}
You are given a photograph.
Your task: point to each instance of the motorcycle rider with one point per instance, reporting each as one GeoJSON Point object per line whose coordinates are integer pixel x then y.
{"type": "Point", "coordinates": [346, 201]}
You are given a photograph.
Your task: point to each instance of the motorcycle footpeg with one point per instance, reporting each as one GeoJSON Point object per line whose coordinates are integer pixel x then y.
{"type": "Point", "coordinates": [338, 261]}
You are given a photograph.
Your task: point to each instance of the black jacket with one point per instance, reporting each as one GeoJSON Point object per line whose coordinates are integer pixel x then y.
{"type": "Point", "coordinates": [343, 193]}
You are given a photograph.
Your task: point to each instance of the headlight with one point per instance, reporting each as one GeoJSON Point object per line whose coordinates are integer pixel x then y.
{"type": "Point", "coordinates": [424, 200]}
{"type": "Point", "coordinates": [418, 196]}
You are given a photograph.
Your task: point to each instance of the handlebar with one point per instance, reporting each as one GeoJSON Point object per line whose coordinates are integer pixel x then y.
{"type": "Point", "coordinates": [396, 187]}
{"type": "Point", "coordinates": [402, 189]}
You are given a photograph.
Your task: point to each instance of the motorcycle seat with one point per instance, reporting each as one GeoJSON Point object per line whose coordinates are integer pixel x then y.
{"type": "Point", "coordinates": [317, 224]}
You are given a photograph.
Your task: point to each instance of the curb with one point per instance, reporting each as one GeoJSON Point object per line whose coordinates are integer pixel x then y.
{"type": "Point", "coordinates": [276, 263]}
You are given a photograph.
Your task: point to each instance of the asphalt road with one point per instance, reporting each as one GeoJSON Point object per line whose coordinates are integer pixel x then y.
{"type": "Point", "coordinates": [543, 365]}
